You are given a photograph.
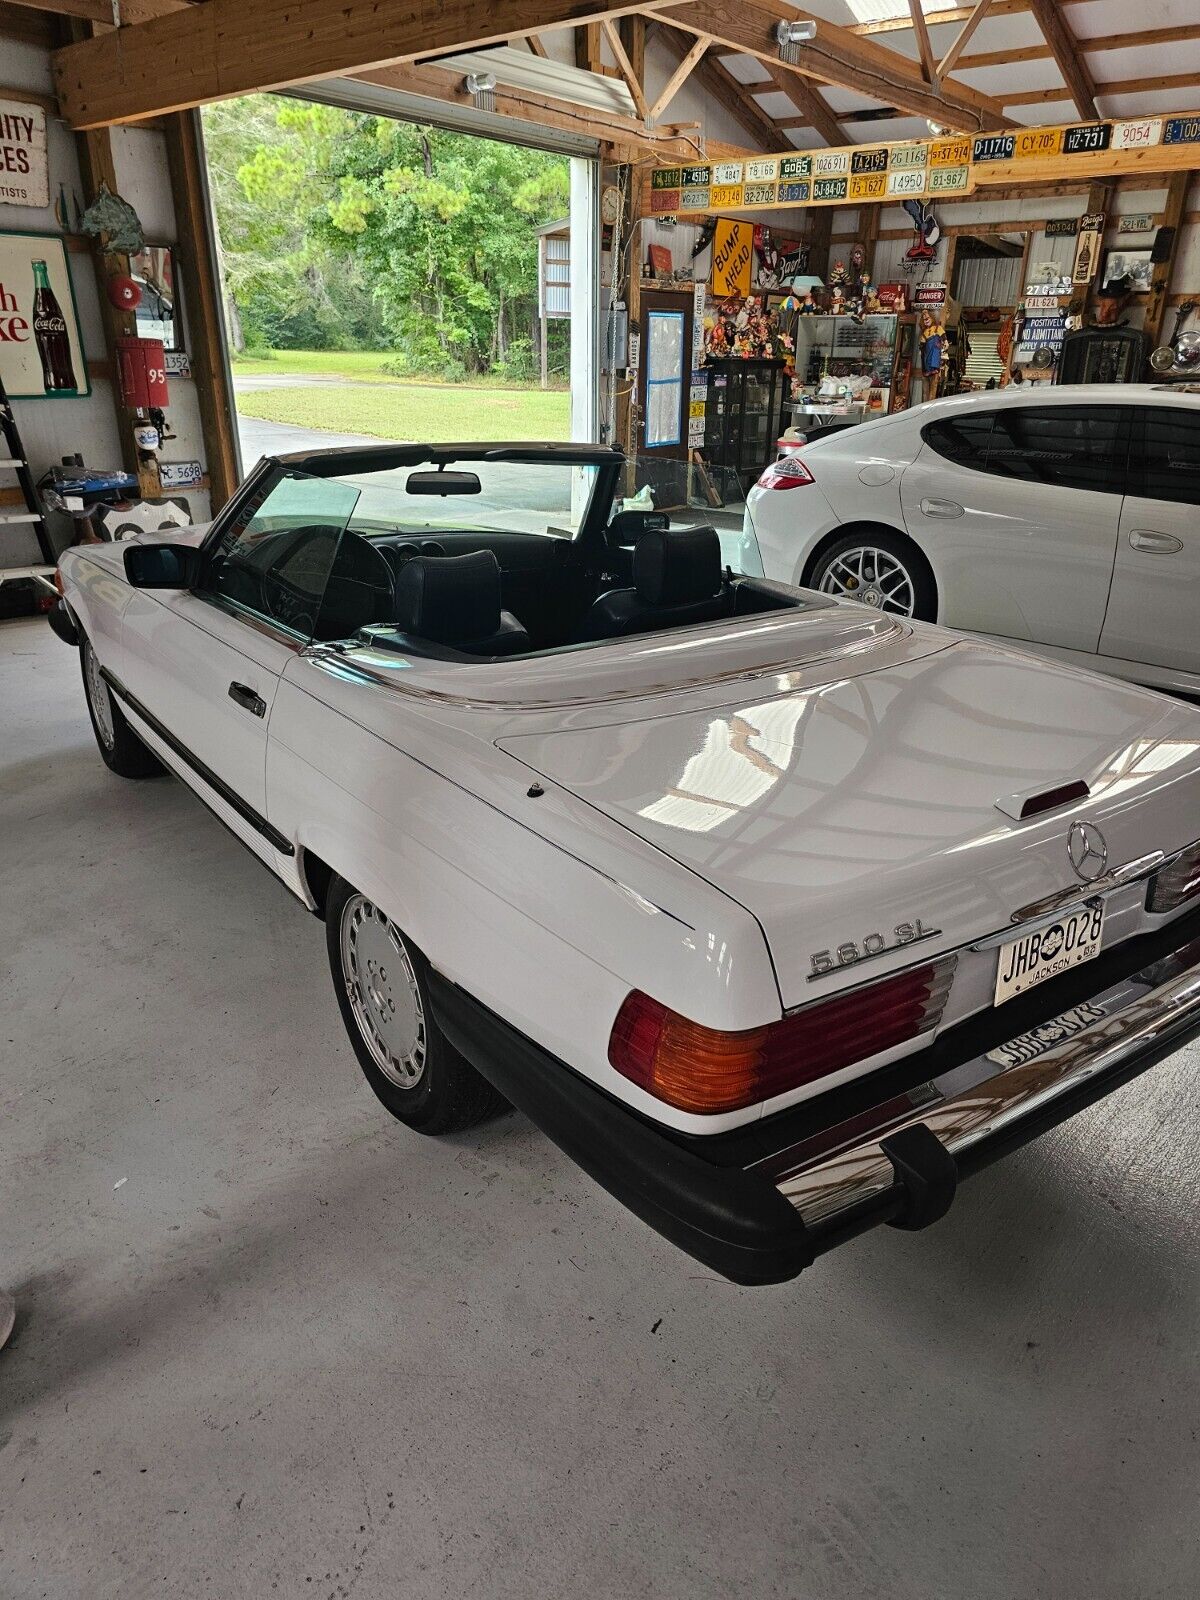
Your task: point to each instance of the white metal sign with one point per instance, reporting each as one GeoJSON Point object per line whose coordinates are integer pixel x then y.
{"type": "Point", "coordinates": [24, 167]}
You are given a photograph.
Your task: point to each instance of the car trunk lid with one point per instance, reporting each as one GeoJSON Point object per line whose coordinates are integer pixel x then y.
{"type": "Point", "coordinates": [852, 813]}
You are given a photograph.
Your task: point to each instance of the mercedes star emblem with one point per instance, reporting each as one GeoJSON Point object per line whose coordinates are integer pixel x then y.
{"type": "Point", "coordinates": [1088, 850]}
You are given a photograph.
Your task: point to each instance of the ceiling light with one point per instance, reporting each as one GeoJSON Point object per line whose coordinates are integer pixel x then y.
{"type": "Point", "coordinates": [789, 36]}
{"type": "Point", "coordinates": [937, 129]}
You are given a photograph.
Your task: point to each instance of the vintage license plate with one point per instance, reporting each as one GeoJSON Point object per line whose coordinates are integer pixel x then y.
{"type": "Point", "coordinates": [1048, 951]}
{"type": "Point", "coordinates": [1028, 1046]}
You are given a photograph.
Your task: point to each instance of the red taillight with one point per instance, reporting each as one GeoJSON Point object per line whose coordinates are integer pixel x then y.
{"type": "Point", "coordinates": [1178, 881]}
{"type": "Point", "coordinates": [702, 1069]}
{"type": "Point", "coordinates": [789, 472]}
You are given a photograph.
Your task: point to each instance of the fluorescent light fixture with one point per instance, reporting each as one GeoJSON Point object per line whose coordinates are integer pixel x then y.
{"type": "Point", "coordinates": [893, 10]}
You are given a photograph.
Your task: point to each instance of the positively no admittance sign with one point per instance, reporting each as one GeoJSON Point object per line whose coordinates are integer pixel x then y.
{"type": "Point", "coordinates": [24, 169]}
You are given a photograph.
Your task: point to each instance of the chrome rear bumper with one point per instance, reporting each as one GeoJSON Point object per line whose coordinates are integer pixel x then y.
{"type": "Point", "coordinates": [963, 1114]}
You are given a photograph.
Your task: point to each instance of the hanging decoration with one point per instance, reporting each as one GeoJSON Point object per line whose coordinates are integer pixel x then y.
{"type": "Point", "coordinates": [114, 222]}
{"type": "Point", "coordinates": [927, 231]}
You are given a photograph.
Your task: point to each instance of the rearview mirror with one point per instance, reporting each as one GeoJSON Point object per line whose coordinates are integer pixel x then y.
{"type": "Point", "coordinates": [160, 566]}
{"type": "Point", "coordinates": [444, 483]}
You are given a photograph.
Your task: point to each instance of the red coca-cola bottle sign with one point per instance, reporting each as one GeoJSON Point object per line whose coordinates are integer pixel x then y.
{"type": "Point", "coordinates": [51, 336]}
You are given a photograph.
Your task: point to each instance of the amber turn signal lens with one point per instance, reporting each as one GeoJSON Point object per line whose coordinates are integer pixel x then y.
{"type": "Point", "coordinates": [701, 1069]}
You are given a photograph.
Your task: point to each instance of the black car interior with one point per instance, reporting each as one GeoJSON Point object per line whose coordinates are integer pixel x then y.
{"type": "Point", "coordinates": [478, 594]}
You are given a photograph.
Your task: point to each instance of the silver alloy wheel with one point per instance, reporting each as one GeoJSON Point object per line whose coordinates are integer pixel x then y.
{"type": "Point", "coordinates": [97, 693]}
{"type": "Point", "coordinates": [874, 577]}
{"type": "Point", "coordinates": [382, 988]}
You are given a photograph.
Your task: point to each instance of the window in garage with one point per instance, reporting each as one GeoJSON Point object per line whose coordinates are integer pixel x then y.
{"type": "Point", "coordinates": [381, 277]}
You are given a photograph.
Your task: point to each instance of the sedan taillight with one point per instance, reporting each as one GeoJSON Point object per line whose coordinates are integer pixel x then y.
{"type": "Point", "coordinates": [702, 1069]}
{"type": "Point", "coordinates": [789, 472]}
{"type": "Point", "coordinates": [1178, 881]}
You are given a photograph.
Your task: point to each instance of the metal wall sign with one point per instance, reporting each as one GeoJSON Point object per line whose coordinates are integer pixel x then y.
{"type": "Point", "coordinates": [953, 164]}
{"type": "Point", "coordinates": [1062, 227]}
{"type": "Point", "coordinates": [24, 165]}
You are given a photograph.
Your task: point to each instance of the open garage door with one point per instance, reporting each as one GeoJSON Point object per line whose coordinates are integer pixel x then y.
{"type": "Point", "coordinates": [386, 261]}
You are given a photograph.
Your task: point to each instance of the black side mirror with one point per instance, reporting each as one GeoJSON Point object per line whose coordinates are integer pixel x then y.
{"type": "Point", "coordinates": [161, 566]}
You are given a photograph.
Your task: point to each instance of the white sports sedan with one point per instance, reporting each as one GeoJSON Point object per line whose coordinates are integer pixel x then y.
{"type": "Point", "coordinates": [1067, 519]}
{"type": "Point", "coordinates": [778, 914]}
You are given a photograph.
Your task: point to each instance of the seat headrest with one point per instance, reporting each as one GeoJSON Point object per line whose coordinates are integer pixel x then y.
{"type": "Point", "coordinates": [449, 599]}
{"type": "Point", "coordinates": [677, 567]}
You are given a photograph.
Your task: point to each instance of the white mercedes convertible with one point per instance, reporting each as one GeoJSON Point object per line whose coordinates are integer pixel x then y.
{"type": "Point", "coordinates": [778, 914]}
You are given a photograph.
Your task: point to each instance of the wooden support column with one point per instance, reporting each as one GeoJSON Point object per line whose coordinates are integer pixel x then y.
{"type": "Point", "coordinates": [1099, 197]}
{"type": "Point", "coordinates": [95, 168]}
{"type": "Point", "coordinates": [820, 228]}
{"type": "Point", "coordinates": [1160, 282]}
{"type": "Point", "coordinates": [196, 259]}
{"type": "Point", "coordinates": [868, 234]}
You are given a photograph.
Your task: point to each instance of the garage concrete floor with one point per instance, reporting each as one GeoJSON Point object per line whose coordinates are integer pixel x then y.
{"type": "Point", "coordinates": [270, 1341]}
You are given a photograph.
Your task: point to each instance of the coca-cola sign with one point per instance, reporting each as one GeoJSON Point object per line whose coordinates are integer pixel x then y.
{"type": "Point", "coordinates": [24, 169]}
{"type": "Point", "coordinates": [41, 353]}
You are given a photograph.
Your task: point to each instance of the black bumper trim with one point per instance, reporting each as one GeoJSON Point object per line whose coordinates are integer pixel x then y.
{"type": "Point", "coordinates": [731, 1221]}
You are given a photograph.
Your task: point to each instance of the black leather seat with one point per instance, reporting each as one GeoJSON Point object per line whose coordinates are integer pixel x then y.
{"type": "Point", "coordinates": [677, 579]}
{"type": "Point", "coordinates": [455, 601]}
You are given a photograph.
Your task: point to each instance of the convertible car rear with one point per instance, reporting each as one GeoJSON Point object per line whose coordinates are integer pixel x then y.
{"type": "Point", "coordinates": [778, 914]}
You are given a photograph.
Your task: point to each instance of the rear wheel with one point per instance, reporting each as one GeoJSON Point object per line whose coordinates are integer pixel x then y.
{"type": "Point", "coordinates": [382, 984]}
{"type": "Point", "coordinates": [121, 749]}
{"type": "Point", "coordinates": [879, 569]}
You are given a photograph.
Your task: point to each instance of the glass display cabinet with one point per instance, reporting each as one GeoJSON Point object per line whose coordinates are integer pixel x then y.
{"type": "Point", "coordinates": [860, 355]}
{"type": "Point", "coordinates": [744, 415]}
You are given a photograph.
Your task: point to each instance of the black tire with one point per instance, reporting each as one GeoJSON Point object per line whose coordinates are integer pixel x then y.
{"type": "Point", "coordinates": [120, 748]}
{"type": "Point", "coordinates": [446, 1093]}
{"type": "Point", "coordinates": [842, 551]}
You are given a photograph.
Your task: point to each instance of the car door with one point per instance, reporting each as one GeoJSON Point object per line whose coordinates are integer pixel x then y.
{"type": "Point", "coordinates": [1018, 507]}
{"type": "Point", "coordinates": [202, 665]}
{"type": "Point", "coordinates": [1154, 610]}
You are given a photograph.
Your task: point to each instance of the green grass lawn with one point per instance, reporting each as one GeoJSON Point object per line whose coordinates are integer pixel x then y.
{"type": "Point", "coordinates": [434, 412]}
{"type": "Point", "coordinates": [364, 366]}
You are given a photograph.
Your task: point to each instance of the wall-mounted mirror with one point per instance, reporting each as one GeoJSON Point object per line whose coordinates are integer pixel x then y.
{"type": "Point", "coordinates": [153, 270]}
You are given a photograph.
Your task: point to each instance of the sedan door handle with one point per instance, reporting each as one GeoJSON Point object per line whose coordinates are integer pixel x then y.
{"type": "Point", "coordinates": [1155, 543]}
{"type": "Point", "coordinates": [245, 696]}
{"type": "Point", "coordinates": [941, 508]}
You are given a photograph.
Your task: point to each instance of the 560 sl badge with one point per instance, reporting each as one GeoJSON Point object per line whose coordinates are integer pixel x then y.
{"type": "Point", "coordinates": [867, 949]}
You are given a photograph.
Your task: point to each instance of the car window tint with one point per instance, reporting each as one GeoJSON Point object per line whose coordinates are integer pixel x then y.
{"type": "Point", "coordinates": [274, 558]}
{"type": "Point", "coordinates": [1169, 464]}
{"type": "Point", "coordinates": [963, 439]}
{"type": "Point", "coordinates": [1073, 447]}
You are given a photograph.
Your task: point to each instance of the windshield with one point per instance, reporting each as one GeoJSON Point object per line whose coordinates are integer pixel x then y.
{"type": "Point", "coordinates": [550, 498]}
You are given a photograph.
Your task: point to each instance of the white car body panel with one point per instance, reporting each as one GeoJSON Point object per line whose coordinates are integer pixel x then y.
{"type": "Point", "coordinates": [1043, 565]}
{"type": "Point", "coordinates": [737, 818]}
{"type": "Point", "coordinates": [704, 829]}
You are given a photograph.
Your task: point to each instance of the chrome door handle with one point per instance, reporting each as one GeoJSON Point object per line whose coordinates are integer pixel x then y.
{"type": "Point", "coordinates": [941, 508]}
{"type": "Point", "coordinates": [245, 696]}
{"type": "Point", "coordinates": [1155, 543]}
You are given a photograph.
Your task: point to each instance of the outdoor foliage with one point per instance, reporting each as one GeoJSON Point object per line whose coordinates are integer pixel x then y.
{"type": "Point", "coordinates": [345, 231]}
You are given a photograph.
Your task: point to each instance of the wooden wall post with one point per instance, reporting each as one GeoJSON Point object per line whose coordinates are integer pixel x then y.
{"type": "Point", "coordinates": [196, 258]}
{"type": "Point", "coordinates": [96, 167]}
{"type": "Point", "coordinates": [1160, 282]}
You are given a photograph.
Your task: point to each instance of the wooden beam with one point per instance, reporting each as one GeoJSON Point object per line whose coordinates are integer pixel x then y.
{"type": "Point", "coordinates": [946, 64]}
{"type": "Point", "coordinates": [722, 88]}
{"type": "Point", "coordinates": [679, 77]}
{"type": "Point", "coordinates": [27, 97]}
{"type": "Point", "coordinates": [196, 260]}
{"type": "Point", "coordinates": [1067, 56]}
{"type": "Point", "coordinates": [536, 45]}
{"type": "Point", "coordinates": [924, 49]}
{"type": "Point", "coordinates": [587, 48]}
{"type": "Point", "coordinates": [809, 102]}
{"type": "Point", "coordinates": [837, 56]}
{"type": "Point", "coordinates": [529, 105]}
{"type": "Point", "coordinates": [226, 47]}
{"type": "Point", "coordinates": [1178, 80]}
{"type": "Point", "coordinates": [632, 30]}
{"type": "Point", "coordinates": [632, 82]}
